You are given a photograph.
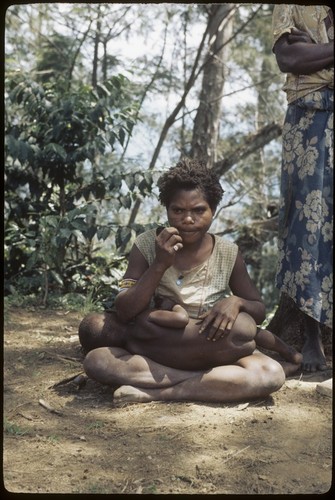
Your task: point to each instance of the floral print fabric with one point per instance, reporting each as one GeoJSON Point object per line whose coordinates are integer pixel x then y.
{"type": "Point", "coordinates": [305, 270]}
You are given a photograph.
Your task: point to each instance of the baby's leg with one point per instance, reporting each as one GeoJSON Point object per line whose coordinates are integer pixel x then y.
{"type": "Point", "coordinates": [312, 350]}
{"type": "Point", "coordinates": [270, 341]}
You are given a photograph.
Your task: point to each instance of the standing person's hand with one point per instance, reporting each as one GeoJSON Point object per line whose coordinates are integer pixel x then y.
{"type": "Point", "coordinates": [297, 35]}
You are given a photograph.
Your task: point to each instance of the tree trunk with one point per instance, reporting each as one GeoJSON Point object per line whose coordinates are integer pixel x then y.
{"type": "Point", "coordinates": [96, 51]}
{"type": "Point", "coordinates": [206, 123]}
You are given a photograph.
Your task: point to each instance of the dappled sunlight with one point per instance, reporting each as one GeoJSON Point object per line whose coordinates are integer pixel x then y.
{"type": "Point", "coordinates": [89, 445]}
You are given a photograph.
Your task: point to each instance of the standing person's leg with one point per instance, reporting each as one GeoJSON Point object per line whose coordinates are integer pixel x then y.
{"type": "Point", "coordinates": [312, 351]}
{"type": "Point", "coordinates": [305, 240]}
{"type": "Point", "coordinates": [252, 377]}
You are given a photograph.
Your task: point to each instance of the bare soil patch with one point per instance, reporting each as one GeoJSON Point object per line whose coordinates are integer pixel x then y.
{"type": "Point", "coordinates": [72, 439]}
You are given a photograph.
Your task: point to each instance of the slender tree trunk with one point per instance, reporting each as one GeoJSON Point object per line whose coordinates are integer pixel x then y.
{"type": "Point", "coordinates": [260, 199]}
{"type": "Point", "coordinates": [96, 51]}
{"type": "Point", "coordinates": [206, 123]}
{"type": "Point", "coordinates": [171, 118]}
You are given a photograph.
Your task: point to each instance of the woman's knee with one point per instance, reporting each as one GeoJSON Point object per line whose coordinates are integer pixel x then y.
{"type": "Point", "coordinates": [263, 374]}
{"type": "Point", "coordinates": [95, 362]}
{"type": "Point", "coordinates": [98, 363]}
{"type": "Point", "coordinates": [273, 375]}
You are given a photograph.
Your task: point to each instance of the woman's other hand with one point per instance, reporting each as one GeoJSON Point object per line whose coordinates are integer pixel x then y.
{"type": "Point", "coordinates": [221, 318]}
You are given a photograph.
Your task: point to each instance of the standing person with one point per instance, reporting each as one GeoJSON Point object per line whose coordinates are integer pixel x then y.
{"type": "Point", "coordinates": [304, 49]}
{"type": "Point", "coordinates": [213, 357]}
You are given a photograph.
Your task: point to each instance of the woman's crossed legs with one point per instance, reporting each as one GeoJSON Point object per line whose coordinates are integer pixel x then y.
{"type": "Point", "coordinates": [228, 370]}
{"type": "Point", "coordinates": [142, 379]}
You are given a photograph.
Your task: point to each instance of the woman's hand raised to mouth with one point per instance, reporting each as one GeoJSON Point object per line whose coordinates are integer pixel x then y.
{"type": "Point", "coordinates": [168, 242]}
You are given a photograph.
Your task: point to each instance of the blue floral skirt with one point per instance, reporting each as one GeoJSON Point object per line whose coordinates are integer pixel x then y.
{"type": "Point", "coordinates": [305, 238]}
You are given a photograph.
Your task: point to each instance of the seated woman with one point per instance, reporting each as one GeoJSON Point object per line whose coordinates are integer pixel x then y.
{"type": "Point", "coordinates": [213, 357]}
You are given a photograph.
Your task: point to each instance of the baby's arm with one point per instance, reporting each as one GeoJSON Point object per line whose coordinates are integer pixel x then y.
{"type": "Point", "coordinates": [176, 318]}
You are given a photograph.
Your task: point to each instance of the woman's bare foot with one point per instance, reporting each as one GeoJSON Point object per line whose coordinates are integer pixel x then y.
{"type": "Point", "coordinates": [130, 394]}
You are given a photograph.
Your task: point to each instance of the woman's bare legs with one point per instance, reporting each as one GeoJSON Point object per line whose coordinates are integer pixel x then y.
{"type": "Point", "coordinates": [142, 379]}
{"type": "Point", "coordinates": [115, 366]}
{"type": "Point", "coordinates": [247, 376]}
{"type": "Point", "coordinates": [252, 377]}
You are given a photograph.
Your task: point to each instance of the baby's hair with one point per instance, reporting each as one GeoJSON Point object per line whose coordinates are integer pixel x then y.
{"type": "Point", "coordinates": [190, 174]}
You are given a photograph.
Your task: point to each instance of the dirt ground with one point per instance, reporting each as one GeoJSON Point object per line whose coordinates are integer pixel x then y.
{"type": "Point", "coordinates": [72, 439]}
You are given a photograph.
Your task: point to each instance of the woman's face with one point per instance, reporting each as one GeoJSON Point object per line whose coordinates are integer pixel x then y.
{"type": "Point", "coordinates": [190, 213]}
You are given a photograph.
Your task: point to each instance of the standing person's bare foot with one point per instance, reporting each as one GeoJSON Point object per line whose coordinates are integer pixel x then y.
{"type": "Point", "coordinates": [313, 353]}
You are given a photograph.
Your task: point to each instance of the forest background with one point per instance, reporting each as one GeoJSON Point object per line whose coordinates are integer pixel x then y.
{"type": "Point", "coordinates": [100, 99]}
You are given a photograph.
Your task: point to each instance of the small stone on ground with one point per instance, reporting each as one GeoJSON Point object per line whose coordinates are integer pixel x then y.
{"type": "Point", "coordinates": [326, 388]}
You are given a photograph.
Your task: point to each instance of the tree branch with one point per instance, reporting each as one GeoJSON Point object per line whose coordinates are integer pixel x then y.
{"type": "Point", "coordinates": [148, 86]}
{"type": "Point", "coordinates": [170, 119]}
{"type": "Point", "coordinates": [251, 144]}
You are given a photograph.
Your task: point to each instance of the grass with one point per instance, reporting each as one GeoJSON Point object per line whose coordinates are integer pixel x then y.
{"type": "Point", "coordinates": [96, 425]}
{"type": "Point", "coordinates": [14, 429]}
{"type": "Point", "coordinates": [84, 304]}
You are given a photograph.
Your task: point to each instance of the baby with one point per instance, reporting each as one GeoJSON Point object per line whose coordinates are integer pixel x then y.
{"type": "Point", "coordinates": [169, 314]}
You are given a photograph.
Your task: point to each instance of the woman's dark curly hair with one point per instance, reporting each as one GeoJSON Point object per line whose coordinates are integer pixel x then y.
{"type": "Point", "coordinates": [190, 174]}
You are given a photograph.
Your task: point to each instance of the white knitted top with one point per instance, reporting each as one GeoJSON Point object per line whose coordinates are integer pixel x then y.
{"type": "Point", "coordinates": [200, 287]}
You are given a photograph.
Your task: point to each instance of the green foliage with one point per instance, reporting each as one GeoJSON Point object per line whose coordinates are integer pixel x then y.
{"type": "Point", "coordinates": [49, 135]}
{"type": "Point", "coordinates": [69, 185]}
{"type": "Point", "coordinates": [58, 131]}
